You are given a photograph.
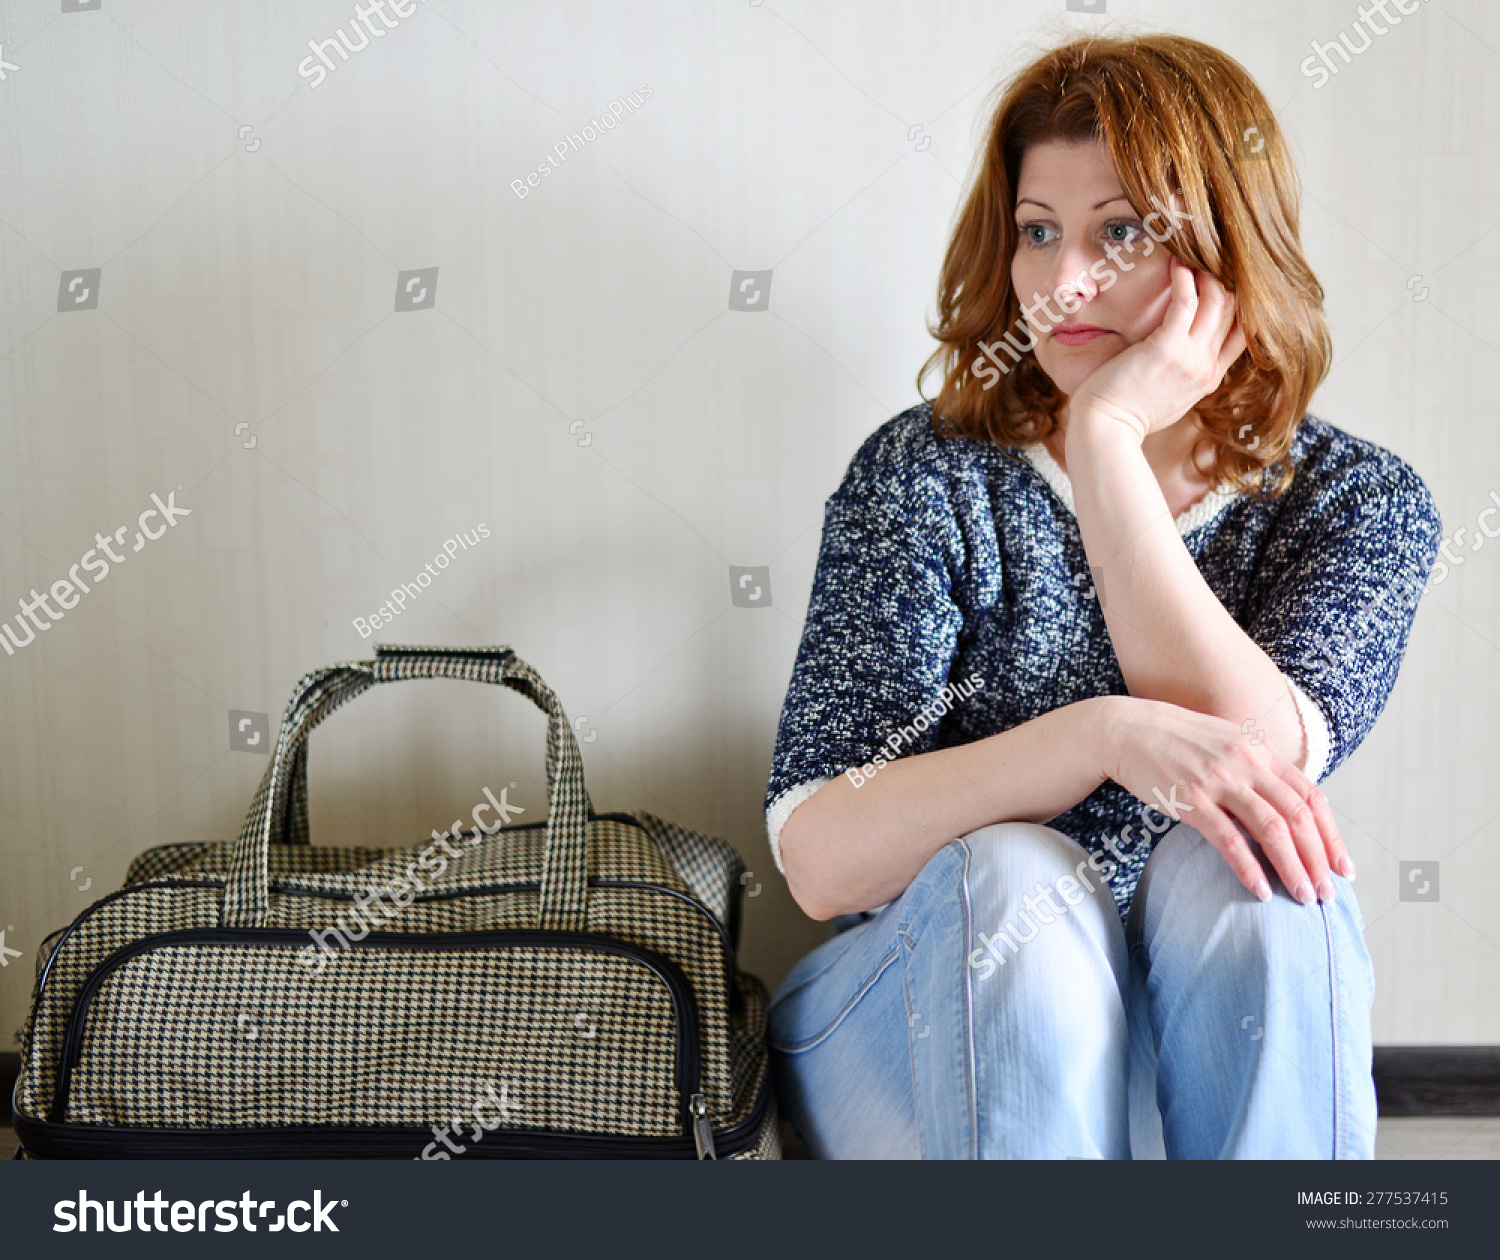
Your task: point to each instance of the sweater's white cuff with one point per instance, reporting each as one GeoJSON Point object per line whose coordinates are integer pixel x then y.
{"type": "Point", "coordinates": [781, 809]}
{"type": "Point", "coordinates": [1315, 729]}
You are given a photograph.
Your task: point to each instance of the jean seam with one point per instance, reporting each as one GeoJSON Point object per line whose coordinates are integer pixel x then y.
{"type": "Point", "coordinates": [911, 1046]}
{"type": "Point", "coordinates": [971, 1085]}
{"type": "Point", "coordinates": [821, 971]}
{"type": "Point", "coordinates": [1339, 1137]}
{"type": "Point", "coordinates": [796, 1047]}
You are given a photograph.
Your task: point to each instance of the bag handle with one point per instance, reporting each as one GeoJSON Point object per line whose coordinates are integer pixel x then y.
{"type": "Point", "coordinates": [289, 823]}
{"type": "Point", "coordinates": [283, 788]}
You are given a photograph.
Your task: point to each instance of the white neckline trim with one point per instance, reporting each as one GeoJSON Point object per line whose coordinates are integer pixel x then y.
{"type": "Point", "coordinates": [1201, 513]}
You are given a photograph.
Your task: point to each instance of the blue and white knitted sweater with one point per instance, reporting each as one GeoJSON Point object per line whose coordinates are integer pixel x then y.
{"type": "Point", "coordinates": [945, 557]}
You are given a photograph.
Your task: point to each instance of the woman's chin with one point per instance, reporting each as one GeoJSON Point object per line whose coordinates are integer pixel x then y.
{"type": "Point", "coordinates": [1067, 377]}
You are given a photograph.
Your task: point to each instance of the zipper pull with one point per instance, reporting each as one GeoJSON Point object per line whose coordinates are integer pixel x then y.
{"type": "Point", "coordinates": [703, 1135]}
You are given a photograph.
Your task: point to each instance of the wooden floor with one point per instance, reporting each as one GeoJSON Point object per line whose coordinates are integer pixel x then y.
{"type": "Point", "coordinates": [1419, 1137]}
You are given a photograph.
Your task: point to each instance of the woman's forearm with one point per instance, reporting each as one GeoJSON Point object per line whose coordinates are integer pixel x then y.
{"type": "Point", "coordinates": [1173, 638]}
{"type": "Point", "coordinates": [848, 848]}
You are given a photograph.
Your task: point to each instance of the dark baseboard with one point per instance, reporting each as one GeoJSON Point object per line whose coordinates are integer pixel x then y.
{"type": "Point", "coordinates": [1409, 1080]}
{"type": "Point", "coordinates": [10, 1068]}
{"type": "Point", "coordinates": [1438, 1080]}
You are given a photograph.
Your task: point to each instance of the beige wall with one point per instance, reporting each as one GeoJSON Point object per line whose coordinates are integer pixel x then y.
{"type": "Point", "coordinates": [251, 279]}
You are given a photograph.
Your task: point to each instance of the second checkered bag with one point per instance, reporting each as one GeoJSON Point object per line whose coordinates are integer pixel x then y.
{"type": "Point", "coordinates": [563, 989]}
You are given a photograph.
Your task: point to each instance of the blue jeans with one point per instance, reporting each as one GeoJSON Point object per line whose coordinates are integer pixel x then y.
{"type": "Point", "coordinates": [999, 1009]}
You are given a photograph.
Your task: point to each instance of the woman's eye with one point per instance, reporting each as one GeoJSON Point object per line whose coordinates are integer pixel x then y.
{"type": "Point", "coordinates": [1130, 230]}
{"type": "Point", "coordinates": [1117, 232]}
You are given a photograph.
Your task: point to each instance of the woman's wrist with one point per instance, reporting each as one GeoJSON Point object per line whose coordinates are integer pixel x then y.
{"type": "Point", "coordinates": [1102, 724]}
{"type": "Point", "coordinates": [1091, 429]}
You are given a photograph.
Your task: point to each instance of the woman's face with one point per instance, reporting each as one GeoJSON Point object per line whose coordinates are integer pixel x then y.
{"type": "Point", "coordinates": [1077, 230]}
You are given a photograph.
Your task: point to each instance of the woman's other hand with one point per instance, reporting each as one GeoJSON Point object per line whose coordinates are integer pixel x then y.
{"type": "Point", "coordinates": [1157, 381]}
{"type": "Point", "coordinates": [1218, 776]}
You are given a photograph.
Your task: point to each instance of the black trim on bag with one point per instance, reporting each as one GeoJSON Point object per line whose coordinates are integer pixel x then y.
{"type": "Point", "coordinates": [685, 1007]}
{"type": "Point", "coordinates": [168, 882]}
{"type": "Point", "coordinates": [736, 893]}
{"type": "Point", "coordinates": [390, 650]}
{"type": "Point", "coordinates": [728, 933]}
{"type": "Point", "coordinates": [78, 1141]}
{"type": "Point", "coordinates": [595, 881]}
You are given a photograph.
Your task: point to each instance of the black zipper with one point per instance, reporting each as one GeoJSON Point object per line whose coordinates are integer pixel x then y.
{"type": "Point", "coordinates": [170, 882]}
{"type": "Point", "coordinates": [80, 1141]}
{"type": "Point", "coordinates": [685, 1008]}
{"type": "Point", "coordinates": [595, 881]}
{"type": "Point", "coordinates": [729, 932]}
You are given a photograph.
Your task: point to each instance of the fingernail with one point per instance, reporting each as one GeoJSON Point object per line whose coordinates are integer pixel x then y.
{"type": "Point", "coordinates": [1262, 890]}
{"type": "Point", "coordinates": [1346, 867]}
{"type": "Point", "coordinates": [1303, 892]}
{"type": "Point", "coordinates": [1325, 890]}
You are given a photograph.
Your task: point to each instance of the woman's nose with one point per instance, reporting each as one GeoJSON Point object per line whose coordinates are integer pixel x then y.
{"type": "Point", "coordinates": [1070, 279]}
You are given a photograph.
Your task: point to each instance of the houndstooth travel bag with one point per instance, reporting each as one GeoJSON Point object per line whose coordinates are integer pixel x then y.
{"type": "Point", "coordinates": [557, 989]}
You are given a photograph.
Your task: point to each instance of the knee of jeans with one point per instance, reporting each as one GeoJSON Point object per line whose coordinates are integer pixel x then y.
{"type": "Point", "coordinates": [1024, 867]}
{"type": "Point", "coordinates": [1183, 848]}
{"type": "Point", "coordinates": [1188, 879]}
{"type": "Point", "coordinates": [1205, 903]}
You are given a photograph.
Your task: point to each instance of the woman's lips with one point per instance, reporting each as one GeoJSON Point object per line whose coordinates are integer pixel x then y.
{"type": "Point", "coordinates": [1078, 334]}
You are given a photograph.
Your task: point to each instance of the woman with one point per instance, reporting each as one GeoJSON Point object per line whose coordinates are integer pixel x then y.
{"type": "Point", "coordinates": [1085, 633]}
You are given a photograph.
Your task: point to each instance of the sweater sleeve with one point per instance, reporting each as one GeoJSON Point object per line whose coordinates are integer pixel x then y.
{"type": "Point", "coordinates": [1343, 581]}
{"type": "Point", "coordinates": [1314, 728]}
{"type": "Point", "coordinates": [881, 633]}
{"type": "Point", "coordinates": [781, 809]}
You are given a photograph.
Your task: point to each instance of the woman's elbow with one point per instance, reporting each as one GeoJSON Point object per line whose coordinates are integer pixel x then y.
{"type": "Point", "coordinates": [808, 903]}
{"type": "Point", "coordinates": [805, 888]}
